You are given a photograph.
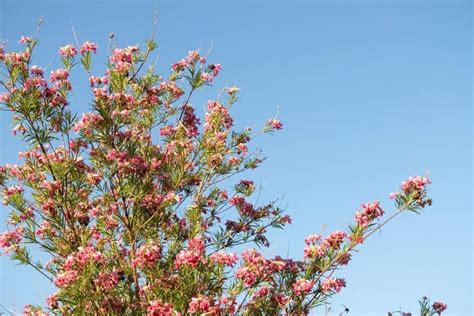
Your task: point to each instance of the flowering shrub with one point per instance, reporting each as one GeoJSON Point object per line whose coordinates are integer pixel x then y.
{"type": "Point", "coordinates": [128, 200]}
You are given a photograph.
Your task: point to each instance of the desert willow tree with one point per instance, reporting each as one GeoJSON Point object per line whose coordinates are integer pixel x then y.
{"type": "Point", "coordinates": [128, 203]}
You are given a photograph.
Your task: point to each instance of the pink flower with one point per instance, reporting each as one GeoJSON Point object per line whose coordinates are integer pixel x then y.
{"type": "Point", "coordinates": [193, 255]}
{"type": "Point", "coordinates": [4, 97]}
{"type": "Point", "coordinates": [416, 183]}
{"type": "Point", "coordinates": [224, 258]}
{"type": "Point", "coordinates": [335, 285]}
{"type": "Point", "coordinates": [179, 65]}
{"type": "Point", "coordinates": [369, 212]}
{"type": "Point", "coordinates": [25, 40]}
{"type": "Point", "coordinates": [52, 300]}
{"type": "Point", "coordinates": [87, 121]}
{"type": "Point", "coordinates": [313, 251]}
{"type": "Point", "coordinates": [107, 280]}
{"type": "Point", "coordinates": [207, 77]}
{"type": "Point", "coordinates": [66, 278]}
{"type": "Point", "coordinates": [203, 305]}
{"type": "Point", "coordinates": [10, 240]}
{"type": "Point", "coordinates": [439, 307]}
{"type": "Point", "coordinates": [45, 230]}
{"type": "Point", "coordinates": [68, 51]}
{"type": "Point", "coordinates": [93, 80]}
{"type": "Point", "coordinates": [157, 308]}
{"type": "Point", "coordinates": [59, 74]}
{"type": "Point", "coordinates": [11, 191]}
{"type": "Point", "coordinates": [88, 47]}
{"type": "Point", "coordinates": [35, 70]}
{"type": "Point", "coordinates": [216, 69]}
{"type": "Point", "coordinates": [335, 239]}
{"type": "Point", "coordinates": [312, 239]}
{"type": "Point", "coordinates": [192, 57]}
{"type": "Point", "coordinates": [147, 256]}
{"type": "Point", "coordinates": [30, 310]}
{"type": "Point", "coordinates": [303, 286]}
{"type": "Point", "coordinates": [274, 124]}
{"type": "Point", "coordinates": [121, 55]}
{"type": "Point", "coordinates": [87, 254]}
{"type": "Point", "coordinates": [263, 291]}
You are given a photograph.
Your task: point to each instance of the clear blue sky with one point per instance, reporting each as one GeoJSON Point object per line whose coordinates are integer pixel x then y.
{"type": "Point", "coordinates": [369, 92]}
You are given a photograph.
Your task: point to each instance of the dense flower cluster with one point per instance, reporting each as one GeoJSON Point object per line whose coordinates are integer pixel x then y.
{"type": "Point", "coordinates": [369, 212]}
{"type": "Point", "coordinates": [303, 286]}
{"type": "Point", "coordinates": [193, 255]}
{"type": "Point", "coordinates": [128, 202]}
{"type": "Point", "coordinates": [68, 51]}
{"type": "Point", "coordinates": [333, 285]}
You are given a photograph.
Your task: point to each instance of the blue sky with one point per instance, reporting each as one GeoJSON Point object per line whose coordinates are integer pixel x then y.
{"type": "Point", "coordinates": [369, 92]}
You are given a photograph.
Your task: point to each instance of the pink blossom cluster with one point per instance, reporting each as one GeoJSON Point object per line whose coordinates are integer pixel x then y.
{"type": "Point", "coordinates": [246, 187]}
{"type": "Point", "coordinates": [34, 83]}
{"type": "Point", "coordinates": [263, 291]}
{"type": "Point", "coordinates": [439, 307]}
{"type": "Point", "coordinates": [202, 305]}
{"type": "Point", "coordinates": [45, 230]}
{"type": "Point", "coordinates": [312, 239]}
{"type": "Point", "coordinates": [123, 54]}
{"type": "Point", "coordinates": [48, 207]}
{"type": "Point", "coordinates": [303, 286]}
{"type": "Point", "coordinates": [11, 191]}
{"type": "Point", "coordinates": [87, 122]}
{"type": "Point", "coordinates": [245, 208]}
{"type": "Point", "coordinates": [68, 51]}
{"type": "Point", "coordinates": [36, 70]}
{"type": "Point", "coordinates": [84, 255]}
{"type": "Point", "coordinates": [335, 239]}
{"type": "Point", "coordinates": [30, 310]}
{"type": "Point", "coordinates": [257, 268]}
{"type": "Point", "coordinates": [52, 300]}
{"type": "Point", "coordinates": [369, 212]}
{"type": "Point", "coordinates": [212, 72]}
{"type": "Point", "coordinates": [94, 80]}
{"type": "Point", "coordinates": [224, 258]}
{"type": "Point", "coordinates": [274, 124]}
{"type": "Point", "coordinates": [157, 308]}
{"type": "Point", "coordinates": [416, 183]}
{"type": "Point", "coordinates": [4, 97]}
{"type": "Point", "coordinates": [10, 239]}
{"type": "Point", "coordinates": [147, 256]}
{"type": "Point", "coordinates": [190, 121]}
{"type": "Point", "coordinates": [217, 117]}
{"type": "Point", "coordinates": [335, 285]}
{"type": "Point", "coordinates": [17, 59]}
{"type": "Point", "coordinates": [25, 40]}
{"type": "Point", "coordinates": [88, 47]}
{"type": "Point", "coordinates": [65, 278]}
{"type": "Point", "coordinates": [313, 248]}
{"type": "Point", "coordinates": [193, 57]}
{"type": "Point", "coordinates": [167, 130]}
{"type": "Point", "coordinates": [107, 280]}
{"type": "Point", "coordinates": [193, 255]}
{"type": "Point", "coordinates": [59, 75]}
